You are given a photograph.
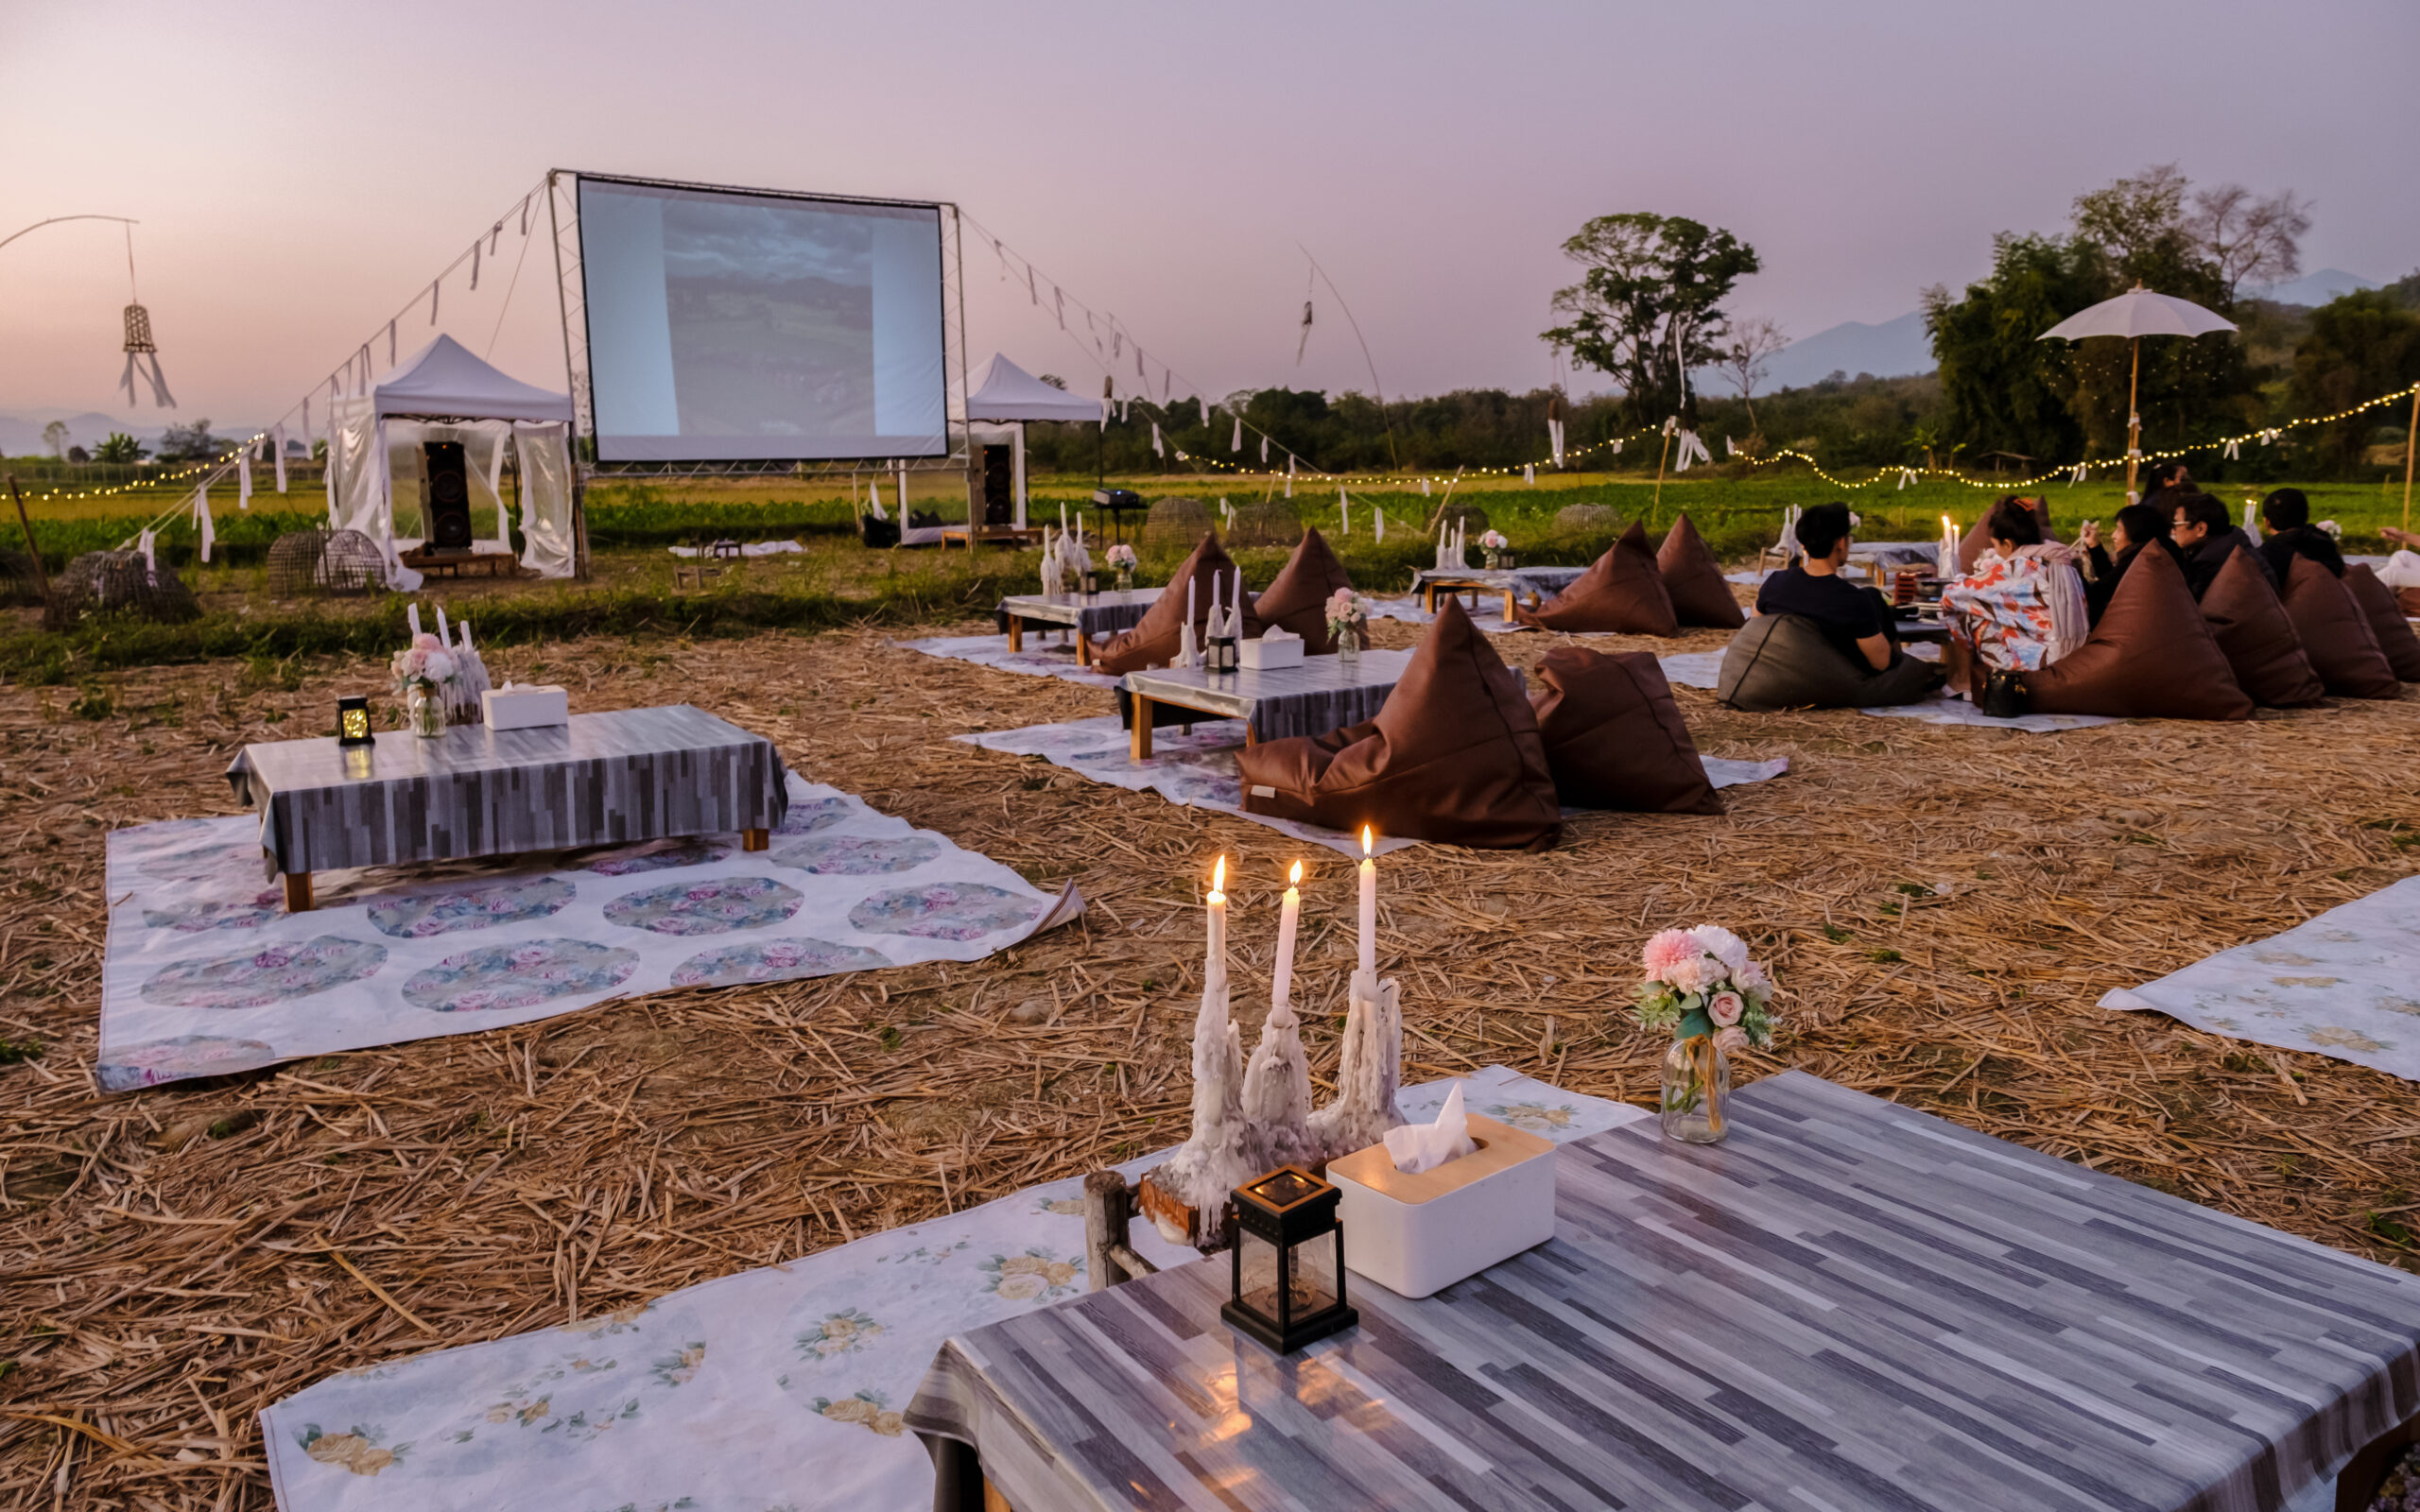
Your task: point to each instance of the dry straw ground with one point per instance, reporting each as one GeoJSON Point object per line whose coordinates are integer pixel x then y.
{"type": "Point", "coordinates": [1943, 906]}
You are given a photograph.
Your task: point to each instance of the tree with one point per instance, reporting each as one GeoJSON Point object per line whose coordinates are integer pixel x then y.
{"type": "Point", "coordinates": [2138, 222]}
{"type": "Point", "coordinates": [78, 455]}
{"type": "Point", "coordinates": [194, 442]}
{"type": "Point", "coordinates": [1649, 307]}
{"type": "Point", "coordinates": [120, 447]}
{"type": "Point", "coordinates": [2248, 239]}
{"type": "Point", "coordinates": [2360, 344]}
{"type": "Point", "coordinates": [55, 436]}
{"type": "Point", "coordinates": [2003, 389]}
{"type": "Point", "coordinates": [1744, 359]}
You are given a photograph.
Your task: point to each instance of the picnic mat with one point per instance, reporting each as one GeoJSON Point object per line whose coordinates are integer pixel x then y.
{"type": "Point", "coordinates": [2345, 984]}
{"type": "Point", "coordinates": [205, 972]}
{"type": "Point", "coordinates": [1039, 659]}
{"type": "Point", "coordinates": [1704, 669]}
{"type": "Point", "coordinates": [1199, 770]}
{"type": "Point", "coordinates": [776, 1388]}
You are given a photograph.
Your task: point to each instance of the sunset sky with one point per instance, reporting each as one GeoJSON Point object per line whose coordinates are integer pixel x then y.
{"type": "Point", "coordinates": [302, 170]}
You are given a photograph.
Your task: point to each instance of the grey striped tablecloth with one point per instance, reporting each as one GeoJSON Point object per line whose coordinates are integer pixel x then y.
{"type": "Point", "coordinates": [1322, 693]}
{"type": "Point", "coordinates": [1848, 1306]}
{"type": "Point", "coordinates": [637, 774]}
{"type": "Point", "coordinates": [1101, 614]}
{"type": "Point", "coordinates": [1535, 582]}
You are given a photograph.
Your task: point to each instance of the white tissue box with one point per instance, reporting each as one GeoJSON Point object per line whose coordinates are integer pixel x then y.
{"type": "Point", "coordinates": [1265, 653]}
{"type": "Point", "coordinates": [1418, 1234]}
{"type": "Point", "coordinates": [524, 708]}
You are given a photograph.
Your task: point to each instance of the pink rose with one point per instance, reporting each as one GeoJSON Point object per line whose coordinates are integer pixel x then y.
{"type": "Point", "coordinates": [1725, 1008]}
{"type": "Point", "coordinates": [1732, 1041]}
{"type": "Point", "coordinates": [1695, 974]}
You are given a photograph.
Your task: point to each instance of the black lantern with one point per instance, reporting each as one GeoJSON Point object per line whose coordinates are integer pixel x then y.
{"type": "Point", "coordinates": [1091, 582]}
{"type": "Point", "coordinates": [1288, 1261]}
{"type": "Point", "coordinates": [352, 722]}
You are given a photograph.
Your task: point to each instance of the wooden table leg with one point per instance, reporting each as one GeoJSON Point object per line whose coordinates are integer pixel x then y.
{"type": "Point", "coordinates": [994, 1501]}
{"type": "Point", "coordinates": [1083, 648]}
{"type": "Point", "coordinates": [1508, 606]}
{"type": "Point", "coordinates": [1428, 599]}
{"type": "Point", "coordinates": [1016, 633]}
{"type": "Point", "coordinates": [1142, 744]}
{"type": "Point", "coordinates": [1249, 739]}
{"type": "Point", "coordinates": [753, 839]}
{"type": "Point", "coordinates": [298, 892]}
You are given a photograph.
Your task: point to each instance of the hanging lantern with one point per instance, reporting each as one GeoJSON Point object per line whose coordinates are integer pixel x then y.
{"type": "Point", "coordinates": [1289, 1287]}
{"type": "Point", "coordinates": [142, 350]}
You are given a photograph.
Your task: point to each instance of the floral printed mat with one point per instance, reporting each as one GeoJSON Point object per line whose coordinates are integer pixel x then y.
{"type": "Point", "coordinates": [774, 1390]}
{"type": "Point", "coordinates": [1197, 770]}
{"type": "Point", "coordinates": [1046, 655]}
{"type": "Point", "coordinates": [2345, 984]}
{"type": "Point", "coordinates": [205, 971]}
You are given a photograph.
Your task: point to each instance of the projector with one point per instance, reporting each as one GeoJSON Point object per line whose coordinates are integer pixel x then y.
{"type": "Point", "coordinates": [1115, 499]}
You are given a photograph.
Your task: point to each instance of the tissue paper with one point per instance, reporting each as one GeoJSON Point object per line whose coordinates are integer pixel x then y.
{"type": "Point", "coordinates": [1417, 1147]}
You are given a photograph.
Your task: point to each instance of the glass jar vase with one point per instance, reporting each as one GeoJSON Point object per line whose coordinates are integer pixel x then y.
{"type": "Point", "coordinates": [1495, 560]}
{"type": "Point", "coordinates": [1695, 1107]}
{"type": "Point", "coordinates": [1348, 646]}
{"type": "Point", "coordinates": [424, 710]}
{"type": "Point", "coordinates": [1126, 580]}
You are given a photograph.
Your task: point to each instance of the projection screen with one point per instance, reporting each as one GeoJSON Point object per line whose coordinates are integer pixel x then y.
{"type": "Point", "coordinates": [726, 325]}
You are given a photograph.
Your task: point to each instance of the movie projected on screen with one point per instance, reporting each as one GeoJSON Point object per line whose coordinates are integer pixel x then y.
{"type": "Point", "coordinates": [730, 326]}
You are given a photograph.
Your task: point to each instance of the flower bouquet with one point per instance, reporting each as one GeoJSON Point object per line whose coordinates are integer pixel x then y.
{"type": "Point", "coordinates": [1701, 985]}
{"type": "Point", "coordinates": [1121, 560]}
{"type": "Point", "coordinates": [1348, 619]}
{"type": "Point", "coordinates": [1491, 544]}
{"type": "Point", "coordinates": [423, 671]}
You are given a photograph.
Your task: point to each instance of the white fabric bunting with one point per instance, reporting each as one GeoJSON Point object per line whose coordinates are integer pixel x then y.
{"type": "Point", "coordinates": [434, 284]}
{"type": "Point", "coordinates": [1157, 449]}
{"type": "Point", "coordinates": [1692, 451]}
{"type": "Point", "coordinates": [1237, 444]}
{"type": "Point", "coordinates": [475, 268]}
{"type": "Point", "coordinates": [201, 518]}
{"type": "Point", "coordinates": [1529, 473]}
{"type": "Point", "coordinates": [1264, 448]}
{"type": "Point", "coordinates": [2232, 454]}
{"type": "Point", "coordinates": [1343, 512]}
{"type": "Point", "coordinates": [148, 543]}
{"type": "Point", "coordinates": [1379, 524]}
{"type": "Point", "coordinates": [244, 477]}
{"type": "Point", "coordinates": [1554, 435]}
{"type": "Point", "coordinates": [277, 444]}
{"type": "Point", "coordinates": [1424, 487]}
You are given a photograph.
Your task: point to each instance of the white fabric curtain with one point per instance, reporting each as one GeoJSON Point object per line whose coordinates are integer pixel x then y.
{"type": "Point", "coordinates": [545, 449]}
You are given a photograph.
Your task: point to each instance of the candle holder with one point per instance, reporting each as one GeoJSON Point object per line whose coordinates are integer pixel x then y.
{"type": "Point", "coordinates": [1288, 1261]}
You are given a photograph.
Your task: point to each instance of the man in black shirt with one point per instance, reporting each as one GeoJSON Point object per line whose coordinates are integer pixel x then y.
{"type": "Point", "coordinates": [1854, 619]}
{"type": "Point", "coordinates": [2287, 515]}
{"type": "Point", "coordinates": [2208, 537]}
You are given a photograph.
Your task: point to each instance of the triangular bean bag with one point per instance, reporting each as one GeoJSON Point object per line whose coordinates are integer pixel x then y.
{"type": "Point", "coordinates": [1614, 735]}
{"type": "Point", "coordinates": [1694, 580]}
{"type": "Point", "coordinates": [2379, 607]}
{"type": "Point", "coordinates": [1453, 756]}
{"type": "Point", "coordinates": [2249, 622]}
{"type": "Point", "coordinates": [1978, 540]}
{"type": "Point", "coordinates": [2150, 657]}
{"type": "Point", "coordinates": [1621, 593]}
{"type": "Point", "coordinates": [1154, 639]}
{"type": "Point", "coordinates": [1788, 662]}
{"type": "Point", "coordinates": [2336, 634]}
{"type": "Point", "coordinates": [1297, 601]}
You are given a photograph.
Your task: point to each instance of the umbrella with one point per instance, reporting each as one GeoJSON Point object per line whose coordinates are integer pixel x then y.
{"type": "Point", "coordinates": [2136, 313]}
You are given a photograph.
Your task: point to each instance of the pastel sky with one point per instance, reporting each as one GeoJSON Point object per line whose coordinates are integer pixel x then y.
{"type": "Point", "coordinates": [303, 169]}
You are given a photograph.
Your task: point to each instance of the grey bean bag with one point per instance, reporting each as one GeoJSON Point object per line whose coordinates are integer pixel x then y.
{"type": "Point", "coordinates": [1785, 662]}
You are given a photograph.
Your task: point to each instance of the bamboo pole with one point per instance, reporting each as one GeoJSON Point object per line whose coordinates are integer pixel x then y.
{"type": "Point", "coordinates": [1661, 454]}
{"type": "Point", "coordinates": [2411, 443]}
{"type": "Point", "coordinates": [42, 574]}
{"type": "Point", "coordinates": [2133, 420]}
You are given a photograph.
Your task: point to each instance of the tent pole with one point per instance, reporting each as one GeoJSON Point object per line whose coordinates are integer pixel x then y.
{"type": "Point", "coordinates": [2133, 420]}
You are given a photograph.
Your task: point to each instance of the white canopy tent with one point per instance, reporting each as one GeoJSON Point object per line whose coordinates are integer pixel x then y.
{"type": "Point", "coordinates": [445, 393]}
{"type": "Point", "coordinates": [1004, 397]}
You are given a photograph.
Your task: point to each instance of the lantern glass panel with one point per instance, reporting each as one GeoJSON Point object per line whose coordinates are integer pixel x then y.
{"type": "Point", "coordinates": [1311, 1276]}
{"type": "Point", "coordinates": [1256, 1269]}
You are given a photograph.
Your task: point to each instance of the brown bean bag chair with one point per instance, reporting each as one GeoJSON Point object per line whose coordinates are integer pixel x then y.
{"type": "Point", "coordinates": [1790, 661]}
{"type": "Point", "coordinates": [1614, 737]}
{"type": "Point", "coordinates": [2379, 606]}
{"type": "Point", "coordinates": [2150, 657]}
{"type": "Point", "coordinates": [1453, 756]}
{"type": "Point", "coordinates": [1978, 540]}
{"type": "Point", "coordinates": [2408, 599]}
{"type": "Point", "coordinates": [2249, 622]}
{"type": "Point", "coordinates": [1694, 580]}
{"type": "Point", "coordinates": [1621, 593]}
{"type": "Point", "coordinates": [1154, 639]}
{"type": "Point", "coordinates": [1297, 600]}
{"type": "Point", "coordinates": [2336, 634]}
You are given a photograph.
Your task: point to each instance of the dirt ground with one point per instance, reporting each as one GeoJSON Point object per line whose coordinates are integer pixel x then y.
{"type": "Point", "coordinates": [1941, 907]}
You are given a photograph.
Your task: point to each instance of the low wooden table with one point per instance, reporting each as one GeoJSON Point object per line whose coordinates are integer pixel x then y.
{"type": "Point", "coordinates": [1537, 582]}
{"type": "Point", "coordinates": [609, 779]}
{"type": "Point", "coordinates": [1847, 1306]}
{"type": "Point", "coordinates": [968, 536]}
{"type": "Point", "coordinates": [453, 564]}
{"type": "Point", "coordinates": [1086, 615]}
{"type": "Point", "coordinates": [1323, 694]}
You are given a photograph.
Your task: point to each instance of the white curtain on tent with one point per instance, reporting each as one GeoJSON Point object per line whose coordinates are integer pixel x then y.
{"type": "Point", "coordinates": [365, 496]}
{"type": "Point", "coordinates": [548, 546]}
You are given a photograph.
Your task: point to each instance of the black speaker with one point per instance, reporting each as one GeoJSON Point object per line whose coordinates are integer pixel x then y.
{"type": "Point", "coordinates": [999, 486]}
{"type": "Point", "coordinates": [449, 497]}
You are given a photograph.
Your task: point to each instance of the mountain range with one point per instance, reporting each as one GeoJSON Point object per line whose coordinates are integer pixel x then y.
{"type": "Point", "coordinates": [21, 432]}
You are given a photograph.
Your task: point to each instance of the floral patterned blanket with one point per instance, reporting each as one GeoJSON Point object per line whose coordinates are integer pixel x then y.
{"type": "Point", "coordinates": [205, 972]}
{"type": "Point", "coordinates": [774, 1390]}
{"type": "Point", "coordinates": [2345, 984]}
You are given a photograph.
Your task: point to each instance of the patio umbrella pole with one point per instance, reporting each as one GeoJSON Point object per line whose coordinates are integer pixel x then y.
{"type": "Point", "coordinates": [1660, 455]}
{"type": "Point", "coordinates": [2133, 420]}
{"type": "Point", "coordinates": [2411, 442]}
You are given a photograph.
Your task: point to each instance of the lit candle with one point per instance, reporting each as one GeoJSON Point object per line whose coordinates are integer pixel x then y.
{"type": "Point", "coordinates": [1368, 960]}
{"type": "Point", "coordinates": [1216, 971]}
{"type": "Point", "coordinates": [1288, 917]}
